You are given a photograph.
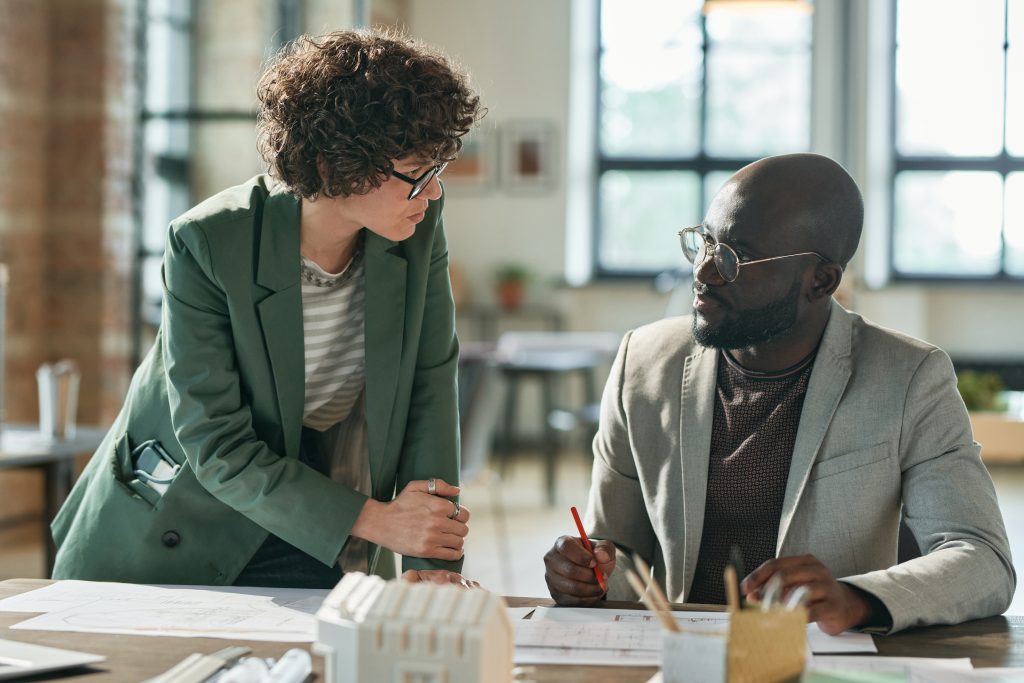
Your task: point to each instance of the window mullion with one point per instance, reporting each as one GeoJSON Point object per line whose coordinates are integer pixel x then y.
{"type": "Point", "coordinates": [1003, 254]}
{"type": "Point", "coordinates": [652, 135]}
{"type": "Point", "coordinates": [992, 264]}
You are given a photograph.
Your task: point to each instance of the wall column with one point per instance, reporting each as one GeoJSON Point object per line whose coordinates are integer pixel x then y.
{"type": "Point", "coordinates": [67, 115]}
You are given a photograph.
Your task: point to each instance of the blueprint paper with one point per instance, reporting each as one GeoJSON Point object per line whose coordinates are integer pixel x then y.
{"type": "Point", "coordinates": [559, 635]}
{"type": "Point", "coordinates": [282, 615]}
{"type": "Point", "coordinates": [818, 640]}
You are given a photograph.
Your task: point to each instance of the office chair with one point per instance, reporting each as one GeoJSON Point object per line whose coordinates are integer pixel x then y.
{"type": "Point", "coordinates": [906, 545]}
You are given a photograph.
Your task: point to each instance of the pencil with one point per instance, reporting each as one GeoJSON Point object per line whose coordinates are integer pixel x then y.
{"type": "Point", "coordinates": [656, 592]}
{"type": "Point", "coordinates": [586, 544]}
{"type": "Point", "coordinates": [732, 591]}
{"type": "Point", "coordinates": [645, 597]}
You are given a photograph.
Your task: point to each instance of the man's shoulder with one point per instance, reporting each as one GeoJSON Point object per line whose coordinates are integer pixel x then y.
{"type": "Point", "coordinates": [665, 340]}
{"type": "Point", "coordinates": [870, 340]}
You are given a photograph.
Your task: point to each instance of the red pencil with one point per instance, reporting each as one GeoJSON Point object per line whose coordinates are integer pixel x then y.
{"type": "Point", "coordinates": [586, 544]}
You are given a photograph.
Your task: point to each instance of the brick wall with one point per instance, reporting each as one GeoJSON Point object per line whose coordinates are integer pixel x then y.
{"type": "Point", "coordinates": [66, 120]}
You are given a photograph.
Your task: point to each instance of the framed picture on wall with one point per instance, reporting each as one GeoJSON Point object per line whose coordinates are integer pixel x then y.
{"type": "Point", "coordinates": [477, 162]}
{"type": "Point", "coordinates": [528, 156]}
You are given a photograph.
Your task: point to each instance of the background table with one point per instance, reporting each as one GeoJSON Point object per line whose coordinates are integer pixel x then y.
{"type": "Point", "coordinates": [22, 446]}
{"type": "Point", "coordinates": [550, 358]}
{"type": "Point", "coordinates": [997, 641]}
{"type": "Point", "coordinates": [549, 369]}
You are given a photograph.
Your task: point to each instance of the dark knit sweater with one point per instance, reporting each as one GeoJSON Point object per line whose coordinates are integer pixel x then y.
{"type": "Point", "coordinates": [754, 429]}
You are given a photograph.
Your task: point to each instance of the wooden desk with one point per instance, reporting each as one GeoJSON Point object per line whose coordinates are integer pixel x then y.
{"type": "Point", "coordinates": [23, 446]}
{"type": "Point", "coordinates": [992, 642]}
{"type": "Point", "coordinates": [129, 658]}
{"type": "Point", "coordinates": [1001, 437]}
{"type": "Point", "coordinates": [997, 641]}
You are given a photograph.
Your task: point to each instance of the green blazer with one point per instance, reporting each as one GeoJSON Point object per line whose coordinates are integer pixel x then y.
{"type": "Point", "coordinates": [223, 387]}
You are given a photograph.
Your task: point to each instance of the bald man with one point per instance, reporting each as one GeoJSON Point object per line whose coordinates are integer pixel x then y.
{"type": "Point", "coordinates": [776, 421]}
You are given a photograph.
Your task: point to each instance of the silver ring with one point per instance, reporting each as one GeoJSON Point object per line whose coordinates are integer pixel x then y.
{"type": "Point", "coordinates": [456, 511]}
{"type": "Point", "coordinates": [432, 486]}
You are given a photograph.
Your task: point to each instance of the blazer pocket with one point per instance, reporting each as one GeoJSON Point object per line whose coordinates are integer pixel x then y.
{"type": "Point", "coordinates": [850, 461]}
{"type": "Point", "coordinates": [123, 470]}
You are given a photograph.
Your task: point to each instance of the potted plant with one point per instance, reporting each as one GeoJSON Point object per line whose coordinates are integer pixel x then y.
{"type": "Point", "coordinates": [981, 391]}
{"type": "Point", "coordinates": [511, 279]}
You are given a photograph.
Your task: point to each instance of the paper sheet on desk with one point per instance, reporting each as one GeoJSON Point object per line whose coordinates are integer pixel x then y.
{"type": "Point", "coordinates": [914, 669]}
{"type": "Point", "coordinates": [597, 637]}
{"type": "Point", "coordinates": [629, 637]}
{"type": "Point", "coordinates": [903, 669]}
{"type": "Point", "coordinates": [283, 615]}
{"type": "Point", "coordinates": [849, 642]}
{"type": "Point", "coordinates": [1015, 675]}
{"type": "Point", "coordinates": [817, 640]}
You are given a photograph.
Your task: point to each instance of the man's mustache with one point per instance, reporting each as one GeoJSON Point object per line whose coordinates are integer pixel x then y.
{"type": "Point", "coordinates": [706, 292]}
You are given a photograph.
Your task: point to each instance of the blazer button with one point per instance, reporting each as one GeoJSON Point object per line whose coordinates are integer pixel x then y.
{"type": "Point", "coordinates": [170, 539]}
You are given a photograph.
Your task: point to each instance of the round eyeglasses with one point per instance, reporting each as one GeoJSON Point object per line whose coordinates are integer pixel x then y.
{"type": "Point", "coordinates": [697, 244]}
{"type": "Point", "coordinates": [420, 184]}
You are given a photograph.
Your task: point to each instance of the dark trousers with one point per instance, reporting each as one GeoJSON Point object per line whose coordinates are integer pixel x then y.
{"type": "Point", "coordinates": [280, 564]}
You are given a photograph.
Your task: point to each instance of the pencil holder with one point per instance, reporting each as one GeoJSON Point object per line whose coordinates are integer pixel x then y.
{"type": "Point", "coordinates": [758, 647]}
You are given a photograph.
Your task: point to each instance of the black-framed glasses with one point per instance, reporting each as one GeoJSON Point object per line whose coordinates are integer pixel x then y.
{"type": "Point", "coordinates": [697, 244]}
{"type": "Point", "coordinates": [420, 184]}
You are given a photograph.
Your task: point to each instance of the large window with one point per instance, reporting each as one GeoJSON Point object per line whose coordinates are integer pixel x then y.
{"type": "Point", "coordinates": [958, 184]}
{"type": "Point", "coordinates": [684, 101]}
{"type": "Point", "coordinates": [197, 132]}
{"type": "Point", "coordinates": [164, 145]}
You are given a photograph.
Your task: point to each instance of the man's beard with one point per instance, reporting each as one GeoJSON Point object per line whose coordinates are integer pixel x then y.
{"type": "Point", "coordinates": [739, 330]}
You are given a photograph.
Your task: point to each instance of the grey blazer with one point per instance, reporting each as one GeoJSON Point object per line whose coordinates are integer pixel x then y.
{"type": "Point", "coordinates": [882, 427]}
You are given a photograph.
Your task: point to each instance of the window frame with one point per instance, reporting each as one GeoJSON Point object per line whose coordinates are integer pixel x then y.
{"type": "Point", "coordinates": [702, 164]}
{"type": "Point", "coordinates": [174, 169]}
{"type": "Point", "coordinates": [1003, 164]}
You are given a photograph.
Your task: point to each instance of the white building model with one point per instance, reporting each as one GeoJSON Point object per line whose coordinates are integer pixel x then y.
{"type": "Point", "coordinates": [374, 631]}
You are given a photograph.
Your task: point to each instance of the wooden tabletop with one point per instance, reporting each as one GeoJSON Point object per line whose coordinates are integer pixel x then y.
{"type": "Point", "coordinates": [129, 658]}
{"type": "Point", "coordinates": [992, 642]}
{"type": "Point", "coordinates": [23, 446]}
{"type": "Point", "coordinates": [998, 641]}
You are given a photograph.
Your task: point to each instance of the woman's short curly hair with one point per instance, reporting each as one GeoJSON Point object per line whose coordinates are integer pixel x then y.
{"type": "Point", "coordinates": [345, 105]}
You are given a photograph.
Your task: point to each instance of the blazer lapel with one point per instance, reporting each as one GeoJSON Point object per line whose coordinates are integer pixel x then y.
{"type": "Point", "coordinates": [828, 382]}
{"type": "Point", "coordinates": [281, 313]}
{"type": "Point", "coordinates": [384, 333]}
{"type": "Point", "coordinates": [696, 415]}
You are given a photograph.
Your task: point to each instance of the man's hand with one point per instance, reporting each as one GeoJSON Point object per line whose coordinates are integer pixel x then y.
{"type": "Point", "coordinates": [416, 523]}
{"type": "Point", "coordinates": [438, 576]}
{"type": "Point", "coordinates": [569, 571]}
{"type": "Point", "coordinates": [835, 606]}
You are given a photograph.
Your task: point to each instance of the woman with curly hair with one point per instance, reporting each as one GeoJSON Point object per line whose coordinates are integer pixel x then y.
{"type": "Point", "coordinates": [297, 415]}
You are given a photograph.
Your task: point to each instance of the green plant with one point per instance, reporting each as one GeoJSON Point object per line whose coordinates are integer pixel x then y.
{"type": "Point", "coordinates": [981, 390]}
{"type": "Point", "coordinates": [511, 272]}
{"type": "Point", "coordinates": [510, 280]}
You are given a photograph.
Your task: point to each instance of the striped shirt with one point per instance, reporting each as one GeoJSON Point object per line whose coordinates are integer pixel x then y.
{"type": "Point", "coordinates": [332, 320]}
{"type": "Point", "coordinates": [333, 315]}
